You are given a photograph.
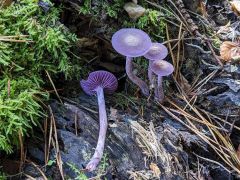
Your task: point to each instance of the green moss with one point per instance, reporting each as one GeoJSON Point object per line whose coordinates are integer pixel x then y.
{"type": "Point", "coordinates": [152, 22]}
{"type": "Point", "coordinates": [45, 45]}
{"type": "Point", "coordinates": [3, 176]}
{"type": "Point", "coordinates": [50, 44]}
{"type": "Point", "coordinates": [19, 109]}
{"type": "Point", "coordinates": [100, 8]}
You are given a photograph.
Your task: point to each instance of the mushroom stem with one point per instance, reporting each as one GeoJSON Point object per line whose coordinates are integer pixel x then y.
{"type": "Point", "coordinates": [102, 131]}
{"type": "Point", "coordinates": [159, 94]}
{"type": "Point", "coordinates": [140, 83]}
{"type": "Point", "coordinates": [150, 74]}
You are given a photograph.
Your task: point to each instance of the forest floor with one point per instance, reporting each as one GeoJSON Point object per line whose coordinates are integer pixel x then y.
{"type": "Point", "coordinates": [194, 134]}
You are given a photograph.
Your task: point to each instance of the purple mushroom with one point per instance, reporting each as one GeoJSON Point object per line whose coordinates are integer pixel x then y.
{"type": "Point", "coordinates": [161, 68]}
{"type": "Point", "coordinates": [97, 83]}
{"type": "Point", "coordinates": [132, 43]}
{"type": "Point", "coordinates": [156, 52]}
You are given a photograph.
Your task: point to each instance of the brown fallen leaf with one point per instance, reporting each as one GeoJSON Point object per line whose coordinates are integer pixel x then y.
{"type": "Point", "coordinates": [155, 169]}
{"type": "Point", "coordinates": [229, 51]}
{"type": "Point", "coordinates": [235, 6]}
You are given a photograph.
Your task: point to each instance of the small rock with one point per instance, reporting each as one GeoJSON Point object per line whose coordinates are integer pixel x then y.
{"type": "Point", "coordinates": [134, 10]}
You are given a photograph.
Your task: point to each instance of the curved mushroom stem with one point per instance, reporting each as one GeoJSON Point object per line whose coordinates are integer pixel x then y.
{"type": "Point", "coordinates": [140, 83]}
{"type": "Point", "coordinates": [150, 74]}
{"type": "Point", "coordinates": [102, 131]}
{"type": "Point", "coordinates": [159, 94]}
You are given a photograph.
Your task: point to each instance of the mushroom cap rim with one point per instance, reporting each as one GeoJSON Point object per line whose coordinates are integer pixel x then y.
{"type": "Point", "coordinates": [124, 49]}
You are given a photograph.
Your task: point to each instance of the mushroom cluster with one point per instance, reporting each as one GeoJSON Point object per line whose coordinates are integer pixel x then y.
{"type": "Point", "coordinates": [132, 43]}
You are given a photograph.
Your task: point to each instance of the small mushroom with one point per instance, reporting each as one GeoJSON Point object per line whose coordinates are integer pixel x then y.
{"type": "Point", "coordinates": [161, 68]}
{"type": "Point", "coordinates": [131, 43]}
{"type": "Point", "coordinates": [157, 52]}
{"type": "Point", "coordinates": [97, 83]}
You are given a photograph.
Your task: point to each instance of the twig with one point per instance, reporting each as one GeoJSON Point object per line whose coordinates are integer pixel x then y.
{"type": "Point", "coordinates": [200, 48]}
{"type": "Point", "coordinates": [41, 172]}
{"type": "Point", "coordinates": [58, 154]}
{"type": "Point", "coordinates": [50, 79]}
{"type": "Point", "coordinates": [212, 161]}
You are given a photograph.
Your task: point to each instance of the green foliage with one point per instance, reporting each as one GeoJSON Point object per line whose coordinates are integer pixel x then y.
{"type": "Point", "coordinates": [51, 162]}
{"type": "Point", "coordinates": [113, 9]}
{"type": "Point", "coordinates": [86, 7]}
{"type": "Point", "coordinates": [123, 101]}
{"type": "Point", "coordinates": [152, 22]}
{"type": "Point", "coordinates": [19, 109]}
{"type": "Point", "coordinates": [103, 165]}
{"type": "Point", "coordinates": [51, 41]}
{"type": "Point", "coordinates": [3, 176]}
{"type": "Point", "coordinates": [80, 174]}
{"type": "Point", "coordinates": [45, 45]}
{"type": "Point", "coordinates": [101, 169]}
{"type": "Point", "coordinates": [101, 7]}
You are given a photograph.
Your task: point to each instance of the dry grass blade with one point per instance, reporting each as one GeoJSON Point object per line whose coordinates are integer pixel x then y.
{"type": "Point", "coordinates": [76, 123]}
{"type": "Point", "coordinates": [41, 172]}
{"type": "Point", "coordinates": [203, 121]}
{"type": "Point", "coordinates": [79, 105]}
{"type": "Point", "coordinates": [56, 145]}
{"type": "Point", "coordinates": [46, 149]}
{"type": "Point", "coordinates": [15, 38]}
{"type": "Point", "coordinates": [220, 144]}
{"type": "Point", "coordinates": [218, 118]}
{"type": "Point", "coordinates": [176, 64]}
{"type": "Point", "coordinates": [150, 143]}
{"type": "Point", "coordinates": [139, 175]}
{"type": "Point", "coordinates": [215, 162]}
{"type": "Point", "coordinates": [22, 156]}
{"type": "Point", "coordinates": [29, 177]}
{"type": "Point", "coordinates": [190, 126]}
{"type": "Point", "coordinates": [50, 79]}
{"type": "Point", "coordinates": [49, 139]}
{"type": "Point", "coordinates": [168, 11]}
{"type": "Point", "coordinates": [199, 85]}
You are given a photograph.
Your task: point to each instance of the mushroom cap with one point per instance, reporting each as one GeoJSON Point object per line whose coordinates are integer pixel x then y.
{"type": "Point", "coordinates": [156, 52]}
{"type": "Point", "coordinates": [162, 68]}
{"type": "Point", "coordinates": [104, 79]}
{"type": "Point", "coordinates": [131, 42]}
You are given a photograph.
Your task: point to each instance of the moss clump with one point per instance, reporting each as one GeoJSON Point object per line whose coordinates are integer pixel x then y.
{"type": "Point", "coordinates": [47, 42]}
{"type": "Point", "coordinates": [44, 45]}
{"type": "Point", "coordinates": [101, 8]}
{"type": "Point", "coordinates": [19, 109]}
{"type": "Point", "coordinates": [153, 22]}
